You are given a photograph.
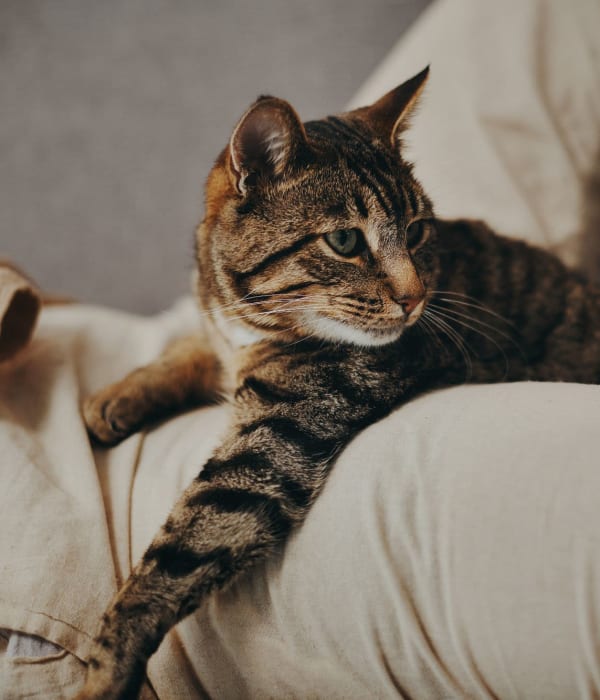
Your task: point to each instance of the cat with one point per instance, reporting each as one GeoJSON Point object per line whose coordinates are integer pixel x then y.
{"type": "Point", "coordinates": [334, 295]}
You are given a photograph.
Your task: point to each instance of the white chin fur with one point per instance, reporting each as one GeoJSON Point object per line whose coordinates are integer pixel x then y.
{"type": "Point", "coordinates": [329, 329]}
{"type": "Point", "coordinates": [236, 333]}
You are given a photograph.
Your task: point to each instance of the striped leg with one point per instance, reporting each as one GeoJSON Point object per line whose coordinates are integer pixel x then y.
{"type": "Point", "coordinates": [293, 416]}
{"type": "Point", "coordinates": [235, 513]}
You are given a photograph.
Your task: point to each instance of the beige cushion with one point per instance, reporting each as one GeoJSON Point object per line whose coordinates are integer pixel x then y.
{"type": "Point", "coordinates": [509, 126]}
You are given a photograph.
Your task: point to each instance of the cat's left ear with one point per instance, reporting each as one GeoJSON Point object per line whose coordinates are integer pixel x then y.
{"type": "Point", "coordinates": [390, 115]}
{"type": "Point", "coordinates": [267, 139]}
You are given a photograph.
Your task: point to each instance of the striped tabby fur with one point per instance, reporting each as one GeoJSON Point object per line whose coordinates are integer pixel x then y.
{"type": "Point", "coordinates": [314, 342]}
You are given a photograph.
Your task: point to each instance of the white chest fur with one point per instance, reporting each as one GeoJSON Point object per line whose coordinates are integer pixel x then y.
{"type": "Point", "coordinates": [227, 338]}
{"type": "Point", "coordinates": [236, 333]}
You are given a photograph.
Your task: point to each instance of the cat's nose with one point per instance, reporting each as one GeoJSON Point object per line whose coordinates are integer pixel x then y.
{"type": "Point", "coordinates": [409, 304]}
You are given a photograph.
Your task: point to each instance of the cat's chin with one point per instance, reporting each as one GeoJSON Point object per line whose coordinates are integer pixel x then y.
{"type": "Point", "coordinates": [340, 332]}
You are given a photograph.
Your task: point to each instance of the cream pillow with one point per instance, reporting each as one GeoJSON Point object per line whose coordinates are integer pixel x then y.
{"type": "Point", "coordinates": [509, 126]}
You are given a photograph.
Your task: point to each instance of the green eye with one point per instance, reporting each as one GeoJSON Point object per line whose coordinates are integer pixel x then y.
{"type": "Point", "coordinates": [416, 233]}
{"type": "Point", "coordinates": [347, 242]}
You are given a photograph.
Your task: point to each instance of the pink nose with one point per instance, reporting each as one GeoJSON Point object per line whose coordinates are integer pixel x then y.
{"type": "Point", "coordinates": [409, 304]}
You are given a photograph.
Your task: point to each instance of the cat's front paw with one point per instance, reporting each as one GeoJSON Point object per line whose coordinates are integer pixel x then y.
{"type": "Point", "coordinates": [110, 417]}
{"type": "Point", "coordinates": [111, 675]}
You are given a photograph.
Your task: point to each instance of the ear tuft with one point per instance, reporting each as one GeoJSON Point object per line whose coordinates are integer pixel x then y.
{"type": "Point", "coordinates": [265, 142]}
{"type": "Point", "coordinates": [390, 115]}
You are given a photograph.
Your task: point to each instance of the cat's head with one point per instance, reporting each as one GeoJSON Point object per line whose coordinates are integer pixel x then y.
{"type": "Point", "coordinates": [317, 229]}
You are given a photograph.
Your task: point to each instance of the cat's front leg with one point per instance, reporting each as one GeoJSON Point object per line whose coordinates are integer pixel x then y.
{"type": "Point", "coordinates": [257, 486]}
{"type": "Point", "coordinates": [184, 376]}
{"type": "Point", "coordinates": [293, 415]}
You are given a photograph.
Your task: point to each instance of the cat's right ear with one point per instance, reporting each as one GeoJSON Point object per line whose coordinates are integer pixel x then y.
{"type": "Point", "coordinates": [266, 141]}
{"type": "Point", "coordinates": [390, 115]}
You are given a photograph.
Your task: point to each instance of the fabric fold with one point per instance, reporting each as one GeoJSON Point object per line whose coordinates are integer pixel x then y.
{"type": "Point", "coordinates": [20, 305]}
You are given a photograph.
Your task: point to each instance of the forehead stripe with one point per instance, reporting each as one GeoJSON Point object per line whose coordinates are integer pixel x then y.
{"type": "Point", "coordinates": [357, 162]}
{"type": "Point", "coordinates": [378, 165]}
{"type": "Point", "coordinates": [360, 205]}
{"type": "Point", "coordinates": [379, 161]}
{"type": "Point", "coordinates": [412, 198]}
{"type": "Point", "coordinates": [367, 181]}
{"type": "Point", "coordinates": [337, 128]}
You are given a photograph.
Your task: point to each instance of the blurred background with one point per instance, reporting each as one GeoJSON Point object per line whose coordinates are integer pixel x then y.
{"type": "Point", "coordinates": [112, 112]}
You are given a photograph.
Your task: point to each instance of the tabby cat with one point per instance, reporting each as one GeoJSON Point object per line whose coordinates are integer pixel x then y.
{"type": "Point", "coordinates": [335, 295]}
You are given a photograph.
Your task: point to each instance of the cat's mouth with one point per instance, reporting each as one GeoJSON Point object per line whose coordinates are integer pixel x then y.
{"type": "Point", "coordinates": [376, 331]}
{"type": "Point", "coordinates": [337, 330]}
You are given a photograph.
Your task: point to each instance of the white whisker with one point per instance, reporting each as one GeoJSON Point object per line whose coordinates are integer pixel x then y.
{"type": "Point", "coordinates": [484, 335]}
{"type": "Point", "coordinates": [429, 329]}
{"type": "Point", "coordinates": [475, 304]}
{"type": "Point", "coordinates": [461, 344]}
{"type": "Point", "coordinates": [474, 319]}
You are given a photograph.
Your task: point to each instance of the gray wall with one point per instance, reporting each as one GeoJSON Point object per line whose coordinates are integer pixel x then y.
{"type": "Point", "coordinates": [112, 111]}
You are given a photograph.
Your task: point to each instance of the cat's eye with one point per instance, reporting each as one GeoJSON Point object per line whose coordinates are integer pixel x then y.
{"type": "Point", "coordinates": [348, 242]}
{"type": "Point", "coordinates": [416, 234]}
